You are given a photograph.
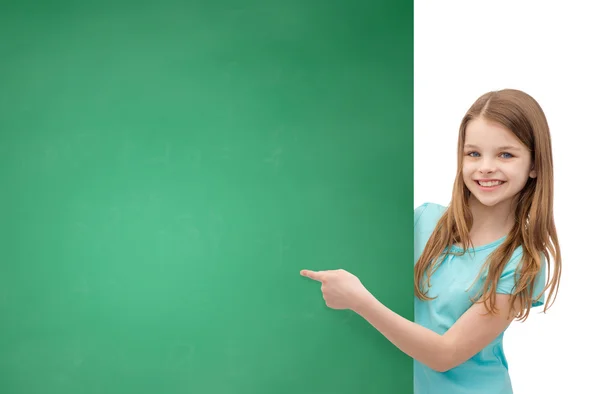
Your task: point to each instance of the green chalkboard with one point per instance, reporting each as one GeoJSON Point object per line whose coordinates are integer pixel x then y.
{"type": "Point", "coordinates": [167, 168]}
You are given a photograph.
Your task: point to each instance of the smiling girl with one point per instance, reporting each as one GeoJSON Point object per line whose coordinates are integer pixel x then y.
{"type": "Point", "coordinates": [482, 261]}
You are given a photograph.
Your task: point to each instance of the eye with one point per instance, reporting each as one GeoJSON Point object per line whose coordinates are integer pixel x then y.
{"type": "Point", "coordinates": [506, 155]}
{"type": "Point", "coordinates": [473, 154]}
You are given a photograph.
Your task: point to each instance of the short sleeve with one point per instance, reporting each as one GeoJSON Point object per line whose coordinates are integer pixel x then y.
{"type": "Point", "coordinates": [508, 278]}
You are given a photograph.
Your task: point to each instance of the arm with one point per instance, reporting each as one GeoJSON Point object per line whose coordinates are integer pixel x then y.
{"type": "Point", "coordinates": [469, 335]}
{"type": "Point", "coordinates": [474, 330]}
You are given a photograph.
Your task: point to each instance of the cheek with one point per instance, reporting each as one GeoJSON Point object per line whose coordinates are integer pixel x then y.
{"type": "Point", "coordinates": [467, 171]}
{"type": "Point", "coordinates": [519, 176]}
{"type": "Point", "coordinates": [467, 177]}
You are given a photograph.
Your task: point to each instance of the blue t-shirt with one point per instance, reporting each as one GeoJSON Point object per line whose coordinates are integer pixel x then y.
{"type": "Point", "coordinates": [453, 283]}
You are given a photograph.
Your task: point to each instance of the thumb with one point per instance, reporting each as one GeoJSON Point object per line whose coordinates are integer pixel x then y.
{"type": "Point", "coordinates": [314, 275]}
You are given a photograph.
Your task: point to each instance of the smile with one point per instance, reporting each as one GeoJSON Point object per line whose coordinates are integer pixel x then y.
{"type": "Point", "coordinates": [490, 184]}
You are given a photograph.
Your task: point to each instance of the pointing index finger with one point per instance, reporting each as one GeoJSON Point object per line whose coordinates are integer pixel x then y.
{"type": "Point", "coordinates": [314, 275]}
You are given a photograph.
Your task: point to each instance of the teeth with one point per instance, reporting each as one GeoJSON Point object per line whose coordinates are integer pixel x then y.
{"type": "Point", "coordinates": [491, 183]}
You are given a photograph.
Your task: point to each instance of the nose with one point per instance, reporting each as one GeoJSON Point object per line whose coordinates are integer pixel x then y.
{"type": "Point", "coordinates": [488, 166]}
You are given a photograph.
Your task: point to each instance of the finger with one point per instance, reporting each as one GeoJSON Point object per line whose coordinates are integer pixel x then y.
{"type": "Point", "coordinates": [314, 275]}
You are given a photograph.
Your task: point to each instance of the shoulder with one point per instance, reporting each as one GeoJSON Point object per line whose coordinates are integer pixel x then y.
{"type": "Point", "coordinates": [428, 213]}
{"type": "Point", "coordinates": [426, 218]}
{"type": "Point", "coordinates": [512, 273]}
{"type": "Point", "coordinates": [514, 264]}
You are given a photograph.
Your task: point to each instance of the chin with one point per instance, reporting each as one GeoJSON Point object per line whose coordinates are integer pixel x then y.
{"type": "Point", "coordinates": [485, 200]}
{"type": "Point", "coordinates": [488, 203]}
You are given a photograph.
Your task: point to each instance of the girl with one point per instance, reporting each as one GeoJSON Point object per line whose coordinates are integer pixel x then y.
{"type": "Point", "coordinates": [482, 261]}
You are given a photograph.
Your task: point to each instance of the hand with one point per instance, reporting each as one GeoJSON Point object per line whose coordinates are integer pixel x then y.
{"type": "Point", "coordinates": [341, 289]}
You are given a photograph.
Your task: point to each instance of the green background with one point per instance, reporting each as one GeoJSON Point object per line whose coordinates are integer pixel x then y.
{"type": "Point", "coordinates": [168, 168]}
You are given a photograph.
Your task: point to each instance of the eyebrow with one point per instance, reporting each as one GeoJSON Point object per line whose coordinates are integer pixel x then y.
{"type": "Point", "coordinates": [505, 147]}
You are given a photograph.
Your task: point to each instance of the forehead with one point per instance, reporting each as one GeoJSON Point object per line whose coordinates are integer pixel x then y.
{"type": "Point", "coordinates": [485, 133]}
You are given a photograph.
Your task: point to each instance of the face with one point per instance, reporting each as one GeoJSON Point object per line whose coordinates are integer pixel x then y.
{"type": "Point", "coordinates": [496, 165]}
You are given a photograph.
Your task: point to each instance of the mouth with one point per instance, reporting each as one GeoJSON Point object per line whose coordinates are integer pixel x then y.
{"type": "Point", "coordinates": [490, 184]}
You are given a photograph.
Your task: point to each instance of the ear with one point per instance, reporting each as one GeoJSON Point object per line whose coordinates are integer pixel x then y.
{"type": "Point", "coordinates": [532, 173]}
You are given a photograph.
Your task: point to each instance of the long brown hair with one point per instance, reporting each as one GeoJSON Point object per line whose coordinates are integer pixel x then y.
{"type": "Point", "coordinates": [534, 227]}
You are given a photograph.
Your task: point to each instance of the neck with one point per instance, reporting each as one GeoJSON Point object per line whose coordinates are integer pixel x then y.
{"type": "Point", "coordinates": [491, 223]}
